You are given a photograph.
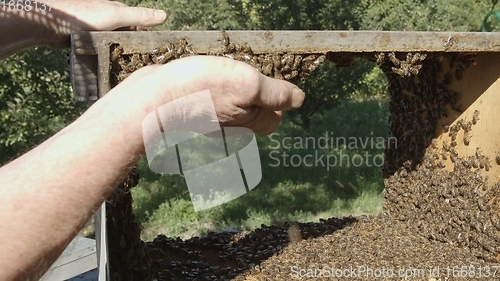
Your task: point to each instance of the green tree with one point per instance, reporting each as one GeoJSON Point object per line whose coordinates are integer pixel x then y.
{"type": "Point", "coordinates": [425, 15]}
{"type": "Point", "coordinates": [194, 15]}
{"type": "Point", "coordinates": [487, 24]}
{"type": "Point", "coordinates": [328, 85]}
{"type": "Point", "coordinates": [35, 99]}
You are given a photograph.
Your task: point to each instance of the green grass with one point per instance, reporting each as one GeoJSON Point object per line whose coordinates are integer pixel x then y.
{"type": "Point", "coordinates": [163, 206]}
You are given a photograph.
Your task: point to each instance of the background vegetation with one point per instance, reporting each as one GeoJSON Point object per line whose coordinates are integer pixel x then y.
{"type": "Point", "coordinates": [36, 101]}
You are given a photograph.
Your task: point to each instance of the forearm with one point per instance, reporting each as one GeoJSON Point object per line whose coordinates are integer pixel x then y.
{"type": "Point", "coordinates": [49, 193]}
{"type": "Point", "coordinates": [50, 22]}
{"type": "Point", "coordinates": [17, 32]}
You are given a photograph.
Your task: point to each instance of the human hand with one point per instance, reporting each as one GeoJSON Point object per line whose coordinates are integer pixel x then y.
{"type": "Point", "coordinates": [241, 95]}
{"type": "Point", "coordinates": [67, 16]}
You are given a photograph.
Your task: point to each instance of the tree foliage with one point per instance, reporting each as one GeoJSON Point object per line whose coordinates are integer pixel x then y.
{"type": "Point", "coordinates": [299, 14]}
{"type": "Point", "coordinates": [426, 15]}
{"type": "Point", "coordinates": [36, 99]}
{"type": "Point", "coordinates": [328, 85]}
{"type": "Point", "coordinates": [487, 24]}
{"type": "Point", "coordinates": [35, 93]}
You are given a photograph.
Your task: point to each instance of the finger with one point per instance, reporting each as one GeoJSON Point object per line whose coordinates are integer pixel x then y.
{"type": "Point", "coordinates": [259, 120]}
{"type": "Point", "coordinates": [267, 122]}
{"type": "Point", "coordinates": [138, 16]}
{"type": "Point", "coordinates": [279, 95]}
{"type": "Point", "coordinates": [133, 28]}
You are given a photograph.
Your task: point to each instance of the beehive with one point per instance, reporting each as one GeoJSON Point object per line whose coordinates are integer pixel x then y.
{"type": "Point", "coordinates": [442, 177]}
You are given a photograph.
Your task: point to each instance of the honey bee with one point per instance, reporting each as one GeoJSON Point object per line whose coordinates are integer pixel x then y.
{"type": "Point", "coordinates": [254, 61]}
{"type": "Point", "coordinates": [229, 48]}
{"type": "Point", "coordinates": [288, 59]}
{"type": "Point", "coordinates": [286, 69]}
{"type": "Point", "coordinates": [116, 53]}
{"type": "Point", "coordinates": [189, 50]}
{"type": "Point", "coordinates": [136, 61]}
{"type": "Point", "coordinates": [291, 75]}
{"type": "Point", "coordinates": [459, 74]}
{"type": "Point", "coordinates": [146, 59]}
{"type": "Point", "coordinates": [467, 137]}
{"type": "Point", "coordinates": [448, 44]}
{"type": "Point", "coordinates": [247, 49]}
{"type": "Point", "coordinates": [297, 62]}
{"type": "Point", "coordinates": [267, 68]}
{"type": "Point", "coordinates": [434, 144]}
{"type": "Point", "coordinates": [487, 164]}
{"type": "Point", "coordinates": [414, 58]}
{"type": "Point", "coordinates": [276, 61]}
{"type": "Point", "coordinates": [380, 57]}
{"type": "Point", "coordinates": [475, 117]}
{"type": "Point", "coordinates": [162, 59]}
{"type": "Point", "coordinates": [498, 159]}
{"type": "Point", "coordinates": [181, 46]}
{"type": "Point", "coordinates": [394, 59]}
{"type": "Point", "coordinates": [277, 74]}
{"type": "Point", "coordinates": [158, 51]}
{"type": "Point", "coordinates": [224, 38]}
{"type": "Point", "coordinates": [444, 155]}
{"type": "Point", "coordinates": [447, 78]}
{"type": "Point", "coordinates": [474, 162]}
{"type": "Point", "coordinates": [479, 155]}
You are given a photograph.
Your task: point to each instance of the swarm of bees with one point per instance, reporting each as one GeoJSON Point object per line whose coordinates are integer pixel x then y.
{"type": "Point", "coordinates": [451, 207]}
{"type": "Point", "coordinates": [411, 65]}
{"type": "Point", "coordinates": [227, 255]}
{"type": "Point", "coordinates": [128, 256]}
{"type": "Point", "coordinates": [124, 65]}
{"type": "Point", "coordinates": [448, 207]}
{"type": "Point", "coordinates": [420, 96]}
{"type": "Point", "coordinates": [287, 66]}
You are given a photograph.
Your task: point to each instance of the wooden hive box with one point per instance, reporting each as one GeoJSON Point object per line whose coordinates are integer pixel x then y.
{"type": "Point", "coordinates": [479, 85]}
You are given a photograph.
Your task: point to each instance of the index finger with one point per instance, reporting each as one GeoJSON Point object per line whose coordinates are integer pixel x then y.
{"type": "Point", "coordinates": [138, 16]}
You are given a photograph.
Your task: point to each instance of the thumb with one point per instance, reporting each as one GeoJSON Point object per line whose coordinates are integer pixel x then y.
{"type": "Point", "coordinates": [279, 95]}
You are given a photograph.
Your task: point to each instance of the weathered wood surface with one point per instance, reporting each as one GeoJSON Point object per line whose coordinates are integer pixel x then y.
{"type": "Point", "coordinates": [79, 257]}
{"type": "Point", "coordinates": [87, 43]}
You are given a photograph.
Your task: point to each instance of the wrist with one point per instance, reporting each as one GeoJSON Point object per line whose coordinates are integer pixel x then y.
{"type": "Point", "coordinates": [18, 31]}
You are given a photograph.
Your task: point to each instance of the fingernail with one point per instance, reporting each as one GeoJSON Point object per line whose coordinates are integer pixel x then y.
{"type": "Point", "coordinates": [297, 97]}
{"type": "Point", "coordinates": [160, 15]}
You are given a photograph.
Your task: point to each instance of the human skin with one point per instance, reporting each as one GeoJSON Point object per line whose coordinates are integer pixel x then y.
{"type": "Point", "coordinates": [48, 194]}
{"type": "Point", "coordinates": [21, 29]}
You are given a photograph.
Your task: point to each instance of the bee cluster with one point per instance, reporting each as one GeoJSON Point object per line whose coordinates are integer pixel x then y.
{"type": "Point", "coordinates": [404, 68]}
{"type": "Point", "coordinates": [287, 66]}
{"type": "Point", "coordinates": [227, 255]}
{"type": "Point", "coordinates": [430, 214]}
{"type": "Point", "coordinates": [420, 96]}
{"type": "Point", "coordinates": [368, 245]}
{"type": "Point", "coordinates": [123, 65]}
{"type": "Point", "coordinates": [127, 253]}
{"type": "Point", "coordinates": [454, 207]}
